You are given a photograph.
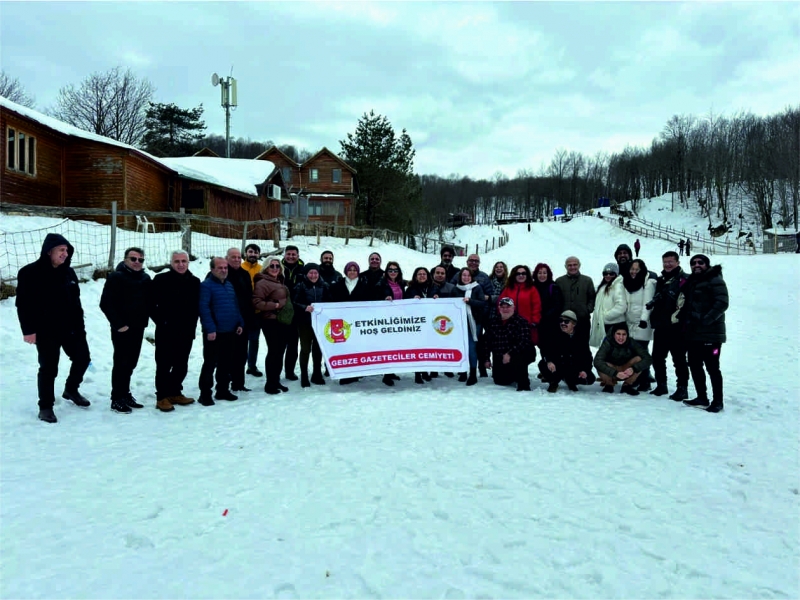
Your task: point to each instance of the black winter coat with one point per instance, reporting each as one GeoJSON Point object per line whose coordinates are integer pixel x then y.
{"type": "Point", "coordinates": [126, 298]}
{"type": "Point", "coordinates": [174, 300]}
{"type": "Point", "coordinates": [665, 298]}
{"type": "Point", "coordinates": [705, 302]}
{"type": "Point", "coordinates": [372, 280]}
{"type": "Point", "coordinates": [569, 353]}
{"type": "Point", "coordinates": [243, 286]}
{"type": "Point", "coordinates": [304, 295]}
{"type": "Point", "coordinates": [329, 275]}
{"type": "Point", "coordinates": [339, 292]}
{"type": "Point", "coordinates": [49, 300]}
{"type": "Point", "coordinates": [415, 289]}
{"type": "Point", "coordinates": [510, 336]}
{"type": "Point", "coordinates": [443, 290]}
{"type": "Point", "coordinates": [552, 306]}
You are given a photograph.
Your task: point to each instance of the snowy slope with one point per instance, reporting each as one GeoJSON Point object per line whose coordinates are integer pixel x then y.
{"type": "Point", "coordinates": [434, 491]}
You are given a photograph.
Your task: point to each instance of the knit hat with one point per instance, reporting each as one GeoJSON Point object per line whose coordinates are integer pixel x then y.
{"type": "Point", "coordinates": [623, 247]}
{"type": "Point", "coordinates": [611, 267]}
{"type": "Point", "coordinates": [311, 267]}
{"type": "Point", "coordinates": [568, 314]}
{"type": "Point", "coordinates": [702, 257]}
{"type": "Point", "coordinates": [352, 263]}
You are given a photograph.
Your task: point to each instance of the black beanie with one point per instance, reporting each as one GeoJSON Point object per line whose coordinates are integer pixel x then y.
{"type": "Point", "coordinates": [310, 267]}
{"type": "Point", "coordinates": [702, 257]}
{"type": "Point", "coordinates": [623, 247]}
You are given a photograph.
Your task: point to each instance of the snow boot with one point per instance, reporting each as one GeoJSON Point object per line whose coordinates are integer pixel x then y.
{"type": "Point", "coordinates": [317, 378]}
{"type": "Point", "coordinates": [697, 402]}
{"type": "Point", "coordinates": [304, 382]}
{"type": "Point", "coordinates": [76, 398]}
{"type": "Point", "coordinates": [473, 378]}
{"type": "Point", "coordinates": [681, 393]}
{"type": "Point", "coordinates": [387, 380]}
{"type": "Point", "coordinates": [661, 389]}
{"type": "Point", "coordinates": [462, 377]}
{"type": "Point", "coordinates": [131, 402]}
{"type": "Point", "coordinates": [121, 406]}
{"type": "Point", "coordinates": [48, 416]}
{"type": "Point", "coordinates": [715, 406]}
{"type": "Point", "coordinates": [418, 378]}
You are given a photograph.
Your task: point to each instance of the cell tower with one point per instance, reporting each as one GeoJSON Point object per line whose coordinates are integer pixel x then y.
{"type": "Point", "coordinates": [228, 100]}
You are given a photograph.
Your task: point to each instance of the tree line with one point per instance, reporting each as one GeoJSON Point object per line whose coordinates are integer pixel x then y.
{"type": "Point", "coordinates": [735, 168]}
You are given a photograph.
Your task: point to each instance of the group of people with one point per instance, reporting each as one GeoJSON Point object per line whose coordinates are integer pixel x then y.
{"type": "Point", "coordinates": [510, 312]}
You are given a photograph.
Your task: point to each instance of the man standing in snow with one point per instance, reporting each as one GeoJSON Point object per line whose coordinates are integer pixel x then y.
{"type": "Point", "coordinates": [667, 336]}
{"type": "Point", "coordinates": [243, 284]}
{"type": "Point", "coordinates": [251, 265]}
{"type": "Point", "coordinates": [327, 272]}
{"type": "Point", "coordinates": [293, 274]}
{"type": "Point", "coordinates": [703, 301]}
{"type": "Point", "coordinates": [175, 296]}
{"type": "Point", "coordinates": [446, 255]}
{"type": "Point", "coordinates": [126, 304]}
{"type": "Point", "coordinates": [579, 294]}
{"type": "Point", "coordinates": [51, 316]}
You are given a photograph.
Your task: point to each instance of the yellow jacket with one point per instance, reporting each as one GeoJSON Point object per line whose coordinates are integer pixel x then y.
{"type": "Point", "coordinates": [252, 269]}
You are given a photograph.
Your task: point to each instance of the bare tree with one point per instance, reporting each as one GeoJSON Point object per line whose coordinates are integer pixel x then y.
{"type": "Point", "coordinates": [113, 104]}
{"type": "Point", "coordinates": [11, 88]}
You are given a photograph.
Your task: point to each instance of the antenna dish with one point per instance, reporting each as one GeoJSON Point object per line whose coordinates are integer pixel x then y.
{"type": "Point", "coordinates": [215, 79]}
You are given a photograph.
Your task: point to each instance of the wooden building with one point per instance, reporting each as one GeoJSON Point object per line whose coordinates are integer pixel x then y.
{"type": "Point", "coordinates": [322, 189]}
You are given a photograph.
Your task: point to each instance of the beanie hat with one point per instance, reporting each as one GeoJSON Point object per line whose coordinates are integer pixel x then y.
{"type": "Point", "coordinates": [702, 257]}
{"type": "Point", "coordinates": [449, 249]}
{"type": "Point", "coordinates": [623, 247]}
{"type": "Point", "coordinates": [311, 267]}
{"type": "Point", "coordinates": [352, 263]}
{"type": "Point", "coordinates": [568, 314]}
{"type": "Point", "coordinates": [611, 267]}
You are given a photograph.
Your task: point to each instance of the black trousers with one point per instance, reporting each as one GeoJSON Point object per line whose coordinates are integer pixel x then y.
{"type": "Point", "coordinates": [172, 361]}
{"type": "Point", "coordinates": [668, 340]}
{"type": "Point", "coordinates": [515, 371]}
{"type": "Point", "coordinates": [239, 360]}
{"type": "Point", "coordinates": [309, 347]}
{"type": "Point", "coordinates": [48, 349]}
{"type": "Point", "coordinates": [218, 357]}
{"type": "Point", "coordinates": [276, 335]}
{"type": "Point", "coordinates": [292, 339]}
{"type": "Point", "coordinates": [566, 372]}
{"type": "Point", "coordinates": [706, 354]}
{"type": "Point", "coordinates": [127, 347]}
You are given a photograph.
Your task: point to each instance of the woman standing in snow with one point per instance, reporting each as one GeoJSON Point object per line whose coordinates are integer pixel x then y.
{"type": "Point", "coordinates": [611, 304]}
{"type": "Point", "coordinates": [392, 287]}
{"type": "Point", "coordinates": [419, 287]}
{"type": "Point", "coordinates": [552, 303]}
{"type": "Point", "coordinates": [475, 299]}
{"type": "Point", "coordinates": [639, 291]}
{"type": "Point", "coordinates": [527, 303]}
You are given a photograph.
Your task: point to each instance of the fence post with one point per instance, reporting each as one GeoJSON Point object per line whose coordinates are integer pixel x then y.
{"type": "Point", "coordinates": [318, 242]}
{"type": "Point", "coordinates": [371, 238]}
{"type": "Point", "coordinates": [244, 235]}
{"type": "Point", "coordinates": [477, 249]}
{"type": "Point", "coordinates": [347, 235]}
{"type": "Point", "coordinates": [276, 234]}
{"type": "Point", "coordinates": [186, 232]}
{"type": "Point", "coordinates": [113, 245]}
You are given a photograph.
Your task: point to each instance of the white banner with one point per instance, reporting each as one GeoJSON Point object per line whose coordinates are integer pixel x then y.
{"type": "Point", "coordinates": [401, 336]}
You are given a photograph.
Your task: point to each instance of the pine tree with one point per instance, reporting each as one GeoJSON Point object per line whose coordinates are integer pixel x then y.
{"type": "Point", "coordinates": [389, 191]}
{"type": "Point", "coordinates": [171, 130]}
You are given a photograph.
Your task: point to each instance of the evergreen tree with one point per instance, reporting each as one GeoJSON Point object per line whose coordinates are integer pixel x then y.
{"type": "Point", "coordinates": [389, 191]}
{"type": "Point", "coordinates": [171, 130]}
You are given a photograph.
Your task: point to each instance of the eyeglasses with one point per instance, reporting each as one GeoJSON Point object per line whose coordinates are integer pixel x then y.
{"type": "Point", "coordinates": [134, 259]}
{"type": "Point", "coordinates": [697, 262]}
{"type": "Point", "coordinates": [606, 273]}
{"type": "Point", "coordinates": [565, 321]}
{"type": "Point", "coordinates": [274, 267]}
{"type": "Point", "coordinates": [392, 270]}
{"type": "Point", "coordinates": [473, 260]}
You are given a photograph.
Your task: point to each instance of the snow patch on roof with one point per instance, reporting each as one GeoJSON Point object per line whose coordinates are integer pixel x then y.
{"type": "Point", "coordinates": [239, 174]}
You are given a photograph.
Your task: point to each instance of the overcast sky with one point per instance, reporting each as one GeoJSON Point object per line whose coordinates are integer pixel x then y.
{"type": "Point", "coordinates": [480, 87]}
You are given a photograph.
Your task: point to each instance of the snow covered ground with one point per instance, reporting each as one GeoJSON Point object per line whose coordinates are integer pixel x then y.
{"type": "Point", "coordinates": [434, 491]}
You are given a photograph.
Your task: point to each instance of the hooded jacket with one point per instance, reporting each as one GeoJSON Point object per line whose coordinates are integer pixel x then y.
{"type": "Point", "coordinates": [126, 298]}
{"type": "Point", "coordinates": [619, 354]}
{"type": "Point", "coordinates": [49, 299]}
{"type": "Point", "coordinates": [305, 294]}
{"type": "Point", "coordinates": [611, 306]}
{"type": "Point", "coordinates": [705, 300]}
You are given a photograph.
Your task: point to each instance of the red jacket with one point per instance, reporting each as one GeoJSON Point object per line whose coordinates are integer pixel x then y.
{"type": "Point", "coordinates": [527, 304]}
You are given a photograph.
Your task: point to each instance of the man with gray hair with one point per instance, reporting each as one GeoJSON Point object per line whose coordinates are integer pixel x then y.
{"type": "Point", "coordinates": [174, 297]}
{"type": "Point", "coordinates": [579, 294]}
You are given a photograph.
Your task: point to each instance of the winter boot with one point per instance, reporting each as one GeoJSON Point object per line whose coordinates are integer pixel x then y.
{"type": "Point", "coordinates": [681, 394]}
{"type": "Point", "coordinates": [206, 400]}
{"type": "Point", "coordinates": [48, 416]}
{"type": "Point", "coordinates": [644, 386]}
{"type": "Point", "coordinates": [254, 372]}
{"type": "Point", "coordinates": [462, 377]}
{"type": "Point", "coordinates": [304, 382]}
{"type": "Point", "coordinates": [629, 389]}
{"type": "Point", "coordinates": [76, 398]}
{"type": "Point", "coordinates": [608, 389]}
{"type": "Point", "coordinates": [553, 387]}
{"type": "Point", "coordinates": [225, 395]}
{"type": "Point", "coordinates": [703, 402]}
{"type": "Point", "coordinates": [269, 388]}
{"type": "Point", "coordinates": [418, 378]}
{"type": "Point", "coordinates": [482, 371]}
{"type": "Point", "coordinates": [131, 401]}
{"type": "Point", "coordinates": [427, 376]}
{"type": "Point", "coordinates": [181, 400]}
{"type": "Point", "coordinates": [164, 405]}
{"type": "Point", "coordinates": [387, 380]}
{"type": "Point", "coordinates": [715, 406]}
{"type": "Point", "coordinates": [473, 376]}
{"type": "Point", "coordinates": [121, 406]}
{"type": "Point", "coordinates": [317, 378]}
{"type": "Point", "coordinates": [660, 390]}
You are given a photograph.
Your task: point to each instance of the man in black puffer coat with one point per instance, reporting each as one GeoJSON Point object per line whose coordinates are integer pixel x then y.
{"type": "Point", "coordinates": [126, 304]}
{"type": "Point", "coordinates": [566, 356]}
{"type": "Point", "coordinates": [51, 316]}
{"type": "Point", "coordinates": [703, 302]}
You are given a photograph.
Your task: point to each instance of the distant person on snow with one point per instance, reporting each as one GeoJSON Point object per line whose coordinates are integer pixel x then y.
{"type": "Point", "coordinates": [688, 247]}
{"type": "Point", "coordinates": [637, 246]}
{"type": "Point", "coordinates": [51, 317]}
{"type": "Point", "coordinates": [681, 243]}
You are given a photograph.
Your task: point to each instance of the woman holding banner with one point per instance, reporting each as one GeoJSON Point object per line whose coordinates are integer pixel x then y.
{"type": "Point", "coordinates": [350, 288]}
{"type": "Point", "coordinates": [475, 300]}
{"type": "Point", "coordinates": [393, 288]}
{"type": "Point", "coordinates": [419, 287]}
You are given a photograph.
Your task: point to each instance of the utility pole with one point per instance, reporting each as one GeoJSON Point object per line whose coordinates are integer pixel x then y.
{"type": "Point", "coordinates": [228, 101]}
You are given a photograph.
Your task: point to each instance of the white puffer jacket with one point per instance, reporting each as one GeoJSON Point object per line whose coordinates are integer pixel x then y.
{"type": "Point", "coordinates": [609, 308]}
{"type": "Point", "coordinates": [637, 312]}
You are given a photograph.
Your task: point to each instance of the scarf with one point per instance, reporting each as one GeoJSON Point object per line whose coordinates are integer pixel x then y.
{"type": "Point", "coordinates": [350, 284]}
{"type": "Point", "coordinates": [473, 327]}
{"type": "Point", "coordinates": [634, 285]}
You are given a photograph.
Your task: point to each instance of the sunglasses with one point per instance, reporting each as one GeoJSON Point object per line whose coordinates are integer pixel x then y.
{"type": "Point", "coordinates": [274, 267]}
{"type": "Point", "coordinates": [392, 270]}
{"type": "Point", "coordinates": [506, 305]}
{"type": "Point", "coordinates": [134, 259]}
{"type": "Point", "coordinates": [697, 262]}
{"type": "Point", "coordinates": [522, 274]}
{"type": "Point", "coordinates": [608, 273]}
{"type": "Point", "coordinates": [565, 321]}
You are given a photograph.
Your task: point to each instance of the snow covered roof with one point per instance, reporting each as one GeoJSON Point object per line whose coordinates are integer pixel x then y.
{"type": "Point", "coordinates": [67, 129]}
{"type": "Point", "coordinates": [238, 174]}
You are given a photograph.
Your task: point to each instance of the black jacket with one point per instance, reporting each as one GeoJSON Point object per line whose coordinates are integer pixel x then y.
{"type": "Point", "coordinates": [372, 279]}
{"type": "Point", "coordinates": [292, 274]}
{"type": "Point", "coordinates": [568, 352]}
{"type": "Point", "coordinates": [305, 294]}
{"type": "Point", "coordinates": [328, 274]}
{"type": "Point", "coordinates": [510, 336]}
{"type": "Point", "coordinates": [174, 300]}
{"type": "Point", "coordinates": [665, 298]}
{"type": "Point", "coordinates": [415, 289]}
{"type": "Point", "coordinates": [443, 290]}
{"type": "Point", "coordinates": [125, 300]}
{"type": "Point", "coordinates": [243, 286]}
{"type": "Point", "coordinates": [705, 302]}
{"type": "Point", "coordinates": [49, 300]}
{"type": "Point", "coordinates": [339, 292]}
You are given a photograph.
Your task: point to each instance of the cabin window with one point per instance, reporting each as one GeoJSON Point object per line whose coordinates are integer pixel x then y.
{"type": "Point", "coordinates": [20, 152]}
{"type": "Point", "coordinates": [314, 175]}
{"type": "Point", "coordinates": [286, 172]}
{"type": "Point", "coordinates": [337, 176]}
{"type": "Point", "coordinates": [326, 208]}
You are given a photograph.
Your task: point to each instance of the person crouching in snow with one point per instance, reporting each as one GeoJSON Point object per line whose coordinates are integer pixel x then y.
{"type": "Point", "coordinates": [566, 357]}
{"type": "Point", "coordinates": [620, 358]}
{"type": "Point", "coordinates": [508, 341]}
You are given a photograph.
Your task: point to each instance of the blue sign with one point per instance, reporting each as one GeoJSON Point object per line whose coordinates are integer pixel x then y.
{"type": "Point", "coordinates": [558, 211]}
{"type": "Point", "coordinates": [603, 202]}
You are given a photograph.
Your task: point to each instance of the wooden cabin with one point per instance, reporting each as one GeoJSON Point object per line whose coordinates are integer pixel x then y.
{"type": "Point", "coordinates": [323, 188]}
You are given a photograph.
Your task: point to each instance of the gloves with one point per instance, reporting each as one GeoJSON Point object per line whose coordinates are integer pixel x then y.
{"type": "Point", "coordinates": [642, 324]}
